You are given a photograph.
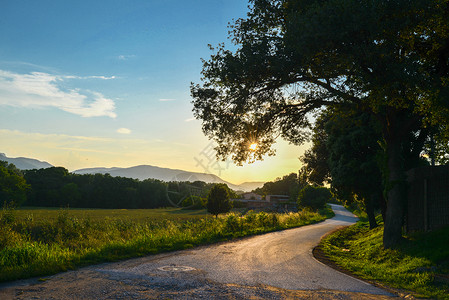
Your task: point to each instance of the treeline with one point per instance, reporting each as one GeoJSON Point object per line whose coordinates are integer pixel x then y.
{"type": "Point", "coordinates": [289, 185]}
{"type": "Point", "coordinates": [299, 190]}
{"type": "Point", "coordinates": [57, 187]}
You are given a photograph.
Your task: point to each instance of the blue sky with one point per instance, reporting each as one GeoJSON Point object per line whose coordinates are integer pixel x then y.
{"type": "Point", "coordinates": [106, 83]}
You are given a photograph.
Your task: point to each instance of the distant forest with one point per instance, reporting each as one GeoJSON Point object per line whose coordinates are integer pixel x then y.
{"type": "Point", "coordinates": [56, 187]}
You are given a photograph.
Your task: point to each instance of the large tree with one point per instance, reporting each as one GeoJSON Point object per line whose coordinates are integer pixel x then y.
{"type": "Point", "coordinates": [346, 153]}
{"type": "Point", "coordinates": [390, 58]}
{"type": "Point", "coordinates": [13, 186]}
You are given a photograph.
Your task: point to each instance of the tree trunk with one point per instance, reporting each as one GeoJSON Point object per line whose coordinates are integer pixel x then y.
{"type": "Point", "coordinates": [395, 193]}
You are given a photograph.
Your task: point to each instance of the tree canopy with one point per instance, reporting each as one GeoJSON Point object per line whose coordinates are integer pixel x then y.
{"type": "Point", "coordinates": [314, 197]}
{"type": "Point", "coordinates": [289, 185]}
{"type": "Point", "coordinates": [13, 186]}
{"type": "Point", "coordinates": [56, 187]}
{"type": "Point", "coordinates": [294, 57]}
{"type": "Point", "coordinates": [218, 200]}
{"type": "Point", "coordinates": [346, 153]}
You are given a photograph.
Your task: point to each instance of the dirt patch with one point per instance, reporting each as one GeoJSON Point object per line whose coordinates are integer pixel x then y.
{"type": "Point", "coordinates": [90, 284]}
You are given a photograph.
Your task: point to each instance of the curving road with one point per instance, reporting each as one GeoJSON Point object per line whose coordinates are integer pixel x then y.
{"type": "Point", "coordinates": [273, 265]}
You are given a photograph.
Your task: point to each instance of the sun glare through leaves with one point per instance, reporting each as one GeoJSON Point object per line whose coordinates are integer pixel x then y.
{"type": "Point", "coordinates": [253, 147]}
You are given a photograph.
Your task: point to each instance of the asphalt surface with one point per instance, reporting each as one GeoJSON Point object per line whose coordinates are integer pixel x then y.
{"type": "Point", "coordinates": [282, 259]}
{"type": "Point", "coordinates": [271, 262]}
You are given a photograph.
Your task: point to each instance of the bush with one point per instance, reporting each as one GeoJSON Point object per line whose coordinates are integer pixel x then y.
{"type": "Point", "coordinates": [7, 214]}
{"type": "Point", "coordinates": [314, 197]}
{"type": "Point", "coordinates": [233, 223]}
{"type": "Point", "coordinates": [193, 202]}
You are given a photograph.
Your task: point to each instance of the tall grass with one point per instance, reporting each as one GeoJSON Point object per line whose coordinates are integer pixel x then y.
{"type": "Point", "coordinates": [419, 265]}
{"type": "Point", "coordinates": [30, 247]}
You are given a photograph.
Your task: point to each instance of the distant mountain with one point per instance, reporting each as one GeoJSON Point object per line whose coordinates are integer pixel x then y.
{"type": "Point", "coordinates": [145, 171]}
{"type": "Point", "coordinates": [138, 172]}
{"type": "Point", "coordinates": [251, 186]}
{"type": "Point", "coordinates": [24, 163]}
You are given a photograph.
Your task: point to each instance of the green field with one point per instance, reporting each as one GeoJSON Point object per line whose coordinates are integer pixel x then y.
{"type": "Point", "coordinates": [38, 242]}
{"type": "Point", "coordinates": [40, 214]}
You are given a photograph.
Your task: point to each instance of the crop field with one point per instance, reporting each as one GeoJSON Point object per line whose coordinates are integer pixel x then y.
{"type": "Point", "coordinates": [38, 242]}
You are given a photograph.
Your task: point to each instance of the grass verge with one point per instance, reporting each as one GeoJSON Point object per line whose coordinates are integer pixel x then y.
{"type": "Point", "coordinates": [31, 246]}
{"type": "Point", "coordinates": [420, 265]}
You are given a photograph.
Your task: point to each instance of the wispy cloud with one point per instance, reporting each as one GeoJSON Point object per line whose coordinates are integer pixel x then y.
{"type": "Point", "coordinates": [189, 119]}
{"type": "Point", "coordinates": [38, 89]}
{"type": "Point", "coordinates": [124, 131]}
{"type": "Point", "coordinates": [167, 100]}
{"type": "Point", "coordinates": [125, 57]}
{"type": "Point", "coordinates": [89, 77]}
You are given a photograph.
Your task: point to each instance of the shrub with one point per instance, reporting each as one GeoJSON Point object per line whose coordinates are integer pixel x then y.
{"type": "Point", "coordinates": [7, 214]}
{"type": "Point", "coordinates": [314, 197]}
{"type": "Point", "coordinates": [193, 202]}
{"type": "Point", "coordinates": [233, 223]}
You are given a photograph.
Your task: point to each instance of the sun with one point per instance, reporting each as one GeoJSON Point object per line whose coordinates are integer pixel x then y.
{"type": "Point", "coordinates": [253, 147]}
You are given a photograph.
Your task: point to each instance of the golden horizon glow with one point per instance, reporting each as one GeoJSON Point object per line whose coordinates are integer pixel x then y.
{"type": "Point", "coordinates": [78, 152]}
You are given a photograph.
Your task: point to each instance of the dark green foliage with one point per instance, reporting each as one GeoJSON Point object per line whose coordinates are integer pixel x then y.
{"type": "Point", "coordinates": [218, 200]}
{"type": "Point", "coordinates": [7, 214]}
{"type": "Point", "coordinates": [238, 204]}
{"type": "Point", "coordinates": [346, 153]}
{"type": "Point", "coordinates": [13, 186]}
{"type": "Point", "coordinates": [314, 197]}
{"type": "Point", "coordinates": [56, 187]}
{"type": "Point", "coordinates": [289, 185]}
{"type": "Point", "coordinates": [194, 202]}
{"type": "Point", "coordinates": [294, 57]}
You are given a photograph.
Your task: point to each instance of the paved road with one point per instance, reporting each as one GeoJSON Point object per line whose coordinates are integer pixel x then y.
{"type": "Point", "coordinates": [270, 263]}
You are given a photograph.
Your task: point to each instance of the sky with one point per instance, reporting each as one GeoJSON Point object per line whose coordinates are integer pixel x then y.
{"type": "Point", "coordinates": [88, 84]}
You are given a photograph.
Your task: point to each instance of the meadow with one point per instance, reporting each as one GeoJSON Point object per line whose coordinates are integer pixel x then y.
{"type": "Point", "coordinates": [419, 265]}
{"type": "Point", "coordinates": [38, 242]}
{"type": "Point", "coordinates": [40, 214]}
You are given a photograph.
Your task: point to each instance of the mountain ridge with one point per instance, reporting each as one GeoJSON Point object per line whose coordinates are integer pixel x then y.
{"type": "Point", "coordinates": [143, 172]}
{"type": "Point", "coordinates": [24, 163]}
{"type": "Point", "coordinates": [140, 172]}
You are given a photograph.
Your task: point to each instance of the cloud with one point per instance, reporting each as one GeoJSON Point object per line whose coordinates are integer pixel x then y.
{"type": "Point", "coordinates": [125, 57]}
{"type": "Point", "coordinates": [38, 89]}
{"type": "Point", "coordinates": [167, 100]}
{"type": "Point", "coordinates": [90, 77]}
{"type": "Point", "coordinates": [124, 130]}
{"type": "Point", "coordinates": [189, 119]}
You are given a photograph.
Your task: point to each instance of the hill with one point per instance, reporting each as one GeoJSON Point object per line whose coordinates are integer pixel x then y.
{"type": "Point", "coordinates": [143, 172]}
{"type": "Point", "coordinates": [24, 163]}
{"type": "Point", "coordinates": [252, 185]}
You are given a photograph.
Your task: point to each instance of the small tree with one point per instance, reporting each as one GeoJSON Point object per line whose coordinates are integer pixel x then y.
{"type": "Point", "coordinates": [314, 197]}
{"type": "Point", "coordinates": [218, 200]}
